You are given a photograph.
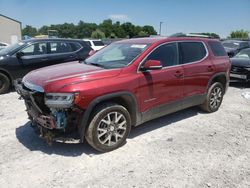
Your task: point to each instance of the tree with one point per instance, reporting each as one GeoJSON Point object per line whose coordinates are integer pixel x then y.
{"type": "Point", "coordinates": [98, 34]}
{"type": "Point", "coordinates": [149, 30]}
{"type": "Point", "coordinates": [29, 30]}
{"type": "Point", "coordinates": [239, 34]}
{"type": "Point", "coordinates": [142, 34]}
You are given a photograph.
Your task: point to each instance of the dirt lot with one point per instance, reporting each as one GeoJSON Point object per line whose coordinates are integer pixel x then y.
{"type": "Point", "coordinates": [186, 149]}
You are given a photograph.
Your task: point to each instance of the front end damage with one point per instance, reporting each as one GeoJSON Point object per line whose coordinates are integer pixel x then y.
{"type": "Point", "coordinates": [54, 117]}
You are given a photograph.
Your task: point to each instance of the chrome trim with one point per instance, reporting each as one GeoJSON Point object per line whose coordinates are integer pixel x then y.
{"type": "Point", "coordinates": [207, 53]}
{"type": "Point", "coordinates": [33, 87]}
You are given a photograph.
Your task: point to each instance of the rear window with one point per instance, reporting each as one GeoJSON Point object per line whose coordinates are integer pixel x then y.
{"type": "Point", "coordinates": [192, 51]}
{"type": "Point", "coordinates": [98, 43]}
{"type": "Point", "coordinates": [217, 48]}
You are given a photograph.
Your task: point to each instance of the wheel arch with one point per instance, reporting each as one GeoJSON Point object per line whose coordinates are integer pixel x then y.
{"type": "Point", "coordinates": [7, 74]}
{"type": "Point", "coordinates": [218, 77]}
{"type": "Point", "coordinates": [126, 99]}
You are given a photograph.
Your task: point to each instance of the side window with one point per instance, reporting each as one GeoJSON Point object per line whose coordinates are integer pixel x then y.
{"type": "Point", "coordinates": [217, 48]}
{"type": "Point", "coordinates": [35, 49]}
{"type": "Point", "coordinates": [75, 46]}
{"type": "Point", "coordinates": [60, 47]}
{"type": "Point", "coordinates": [167, 54]}
{"type": "Point", "coordinates": [192, 51]}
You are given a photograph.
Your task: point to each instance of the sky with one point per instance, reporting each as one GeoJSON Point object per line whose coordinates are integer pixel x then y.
{"type": "Point", "coordinates": [187, 16]}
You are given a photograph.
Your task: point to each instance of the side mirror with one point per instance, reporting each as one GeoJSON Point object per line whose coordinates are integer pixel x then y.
{"type": "Point", "coordinates": [151, 65]}
{"type": "Point", "coordinates": [19, 54]}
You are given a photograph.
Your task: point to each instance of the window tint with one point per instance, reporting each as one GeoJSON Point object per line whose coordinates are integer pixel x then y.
{"type": "Point", "coordinates": [35, 49]}
{"type": "Point", "coordinates": [192, 51]}
{"type": "Point", "coordinates": [60, 47]}
{"type": "Point", "coordinates": [217, 48]}
{"type": "Point", "coordinates": [88, 43]}
{"type": "Point", "coordinates": [244, 45]}
{"type": "Point", "coordinates": [75, 46]}
{"type": "Point", "coordinates": [98, 43]}
{"type": "Point", "coordinates": [166, 53]}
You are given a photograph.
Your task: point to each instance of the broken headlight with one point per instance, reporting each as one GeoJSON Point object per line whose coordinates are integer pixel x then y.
{"type": "Point", "coordinates": [59, 100]}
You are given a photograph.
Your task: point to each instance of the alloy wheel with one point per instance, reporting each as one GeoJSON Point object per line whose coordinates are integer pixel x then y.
{"type": "Point", "coordinates": [111, 128]}
{"type": "Point", "coordinates": [216, 97]}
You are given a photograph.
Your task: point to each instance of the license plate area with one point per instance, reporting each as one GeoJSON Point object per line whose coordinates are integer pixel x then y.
{"type": "Point", "coordinates": [240, 76]}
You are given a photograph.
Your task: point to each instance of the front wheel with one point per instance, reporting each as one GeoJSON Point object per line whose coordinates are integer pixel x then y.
{"type": "Point", "coordinates": [109, 127]}
{"type": "Point", "coordinates": [4, 83]}
{"type": "Point", "coordinates": [214, 98]}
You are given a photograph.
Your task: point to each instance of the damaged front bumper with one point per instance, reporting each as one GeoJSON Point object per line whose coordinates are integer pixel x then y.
{"type": "Point", "coordinates": [52, 123]}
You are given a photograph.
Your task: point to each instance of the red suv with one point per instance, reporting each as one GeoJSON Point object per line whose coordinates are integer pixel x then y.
{"type": "Point", "coordinates": [125, 84]}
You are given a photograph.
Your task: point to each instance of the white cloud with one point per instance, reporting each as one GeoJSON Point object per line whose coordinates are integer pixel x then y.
{"type": "Point", "coordinates": [119, 17]}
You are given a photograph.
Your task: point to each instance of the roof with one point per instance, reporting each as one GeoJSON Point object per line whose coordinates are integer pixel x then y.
{"type": "Point", "coordinates": [10, 18]}
{"type": "Point", "coordinates": [51, 39]}
{"type": "Point", "coordinates": [151, 40]}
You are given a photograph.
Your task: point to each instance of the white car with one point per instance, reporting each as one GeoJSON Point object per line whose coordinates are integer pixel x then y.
{"type": "Point", "coordinates": [95, 44]}
{"type": "Point", "coordinates": [3, 45]}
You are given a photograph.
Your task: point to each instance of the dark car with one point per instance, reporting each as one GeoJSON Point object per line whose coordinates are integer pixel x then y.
{"type": "Point", "coordinates": [124, 85]}
{"type": "Point", "coordinates": [232, 47]}
{"type": "Point", "coordinates": [240, 69]}
{"type": "Point", "coordinates": [18, 59]}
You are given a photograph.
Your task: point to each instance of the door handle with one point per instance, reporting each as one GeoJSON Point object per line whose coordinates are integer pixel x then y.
{"type": "Point", "coordinates": [44, 59]}
{"type": "Point", "coordinates": [210, 68]}
{"type": "Point", "coordinates": [178, 74]}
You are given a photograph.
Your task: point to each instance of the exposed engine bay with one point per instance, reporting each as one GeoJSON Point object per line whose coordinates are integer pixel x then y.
{"type": "Point", "coordinates": [54, 121]}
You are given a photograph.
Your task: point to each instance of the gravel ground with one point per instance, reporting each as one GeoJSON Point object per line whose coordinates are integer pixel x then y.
{"type": "Point", "coordinates": [185, 149]}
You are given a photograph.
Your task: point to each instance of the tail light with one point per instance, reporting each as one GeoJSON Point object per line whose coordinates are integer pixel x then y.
{"type": "Point", "coordinates": [92, 52]}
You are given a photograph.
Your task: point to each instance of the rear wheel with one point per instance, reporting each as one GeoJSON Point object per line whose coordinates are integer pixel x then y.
{"type": "Point", "coordinates": [109, 127]}
{"type": "Point", "coordinates": [4, 83]}
{"type": "Point", "coordinates": [214, 98]}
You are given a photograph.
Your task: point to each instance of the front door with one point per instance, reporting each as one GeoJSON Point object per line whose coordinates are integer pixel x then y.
{"type": "Point", "coordinates": [158, 88]}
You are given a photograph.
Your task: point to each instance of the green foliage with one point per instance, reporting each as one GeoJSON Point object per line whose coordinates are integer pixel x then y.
{"type": "Point", "coordinates": [30, 31]}
{"type": "Point", "coordinates": [98, 34]}
{"type": "Point", "coordinates": [241, 34]}
{"type": "Point", "coordinates": [142, 34]}
{"type": "Point", "coordinates": [213, 35]}
{"type": "Point", "coordinates": [86, 30]}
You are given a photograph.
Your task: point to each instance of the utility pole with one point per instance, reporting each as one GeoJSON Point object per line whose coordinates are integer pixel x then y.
{"type": "Point", "coordinates": [160, 28]}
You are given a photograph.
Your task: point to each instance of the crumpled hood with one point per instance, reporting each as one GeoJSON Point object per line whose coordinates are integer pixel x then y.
{"type": "Point", "coordinates": [58, 76]}
{"type": "Point", "coordinates": [240, 62]}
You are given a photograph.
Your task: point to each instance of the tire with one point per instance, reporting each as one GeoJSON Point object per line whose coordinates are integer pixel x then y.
{"type": "Point", "coordinates": [214, 98]}
{"type": "Point", "coordinates": [4, 83]}
{"type": "Point", "coordinates": [104, 133]}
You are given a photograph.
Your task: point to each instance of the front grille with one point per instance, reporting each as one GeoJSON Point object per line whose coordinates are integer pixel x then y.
{"type": "Point", "coordinates": [238, 70]}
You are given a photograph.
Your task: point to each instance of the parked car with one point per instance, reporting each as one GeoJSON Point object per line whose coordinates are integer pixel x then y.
{"type": "Point", "coordinates": [124, 85]}
{"type": "Point", "coordinates": [18, 59]}
{"type": "Point", "coordinates": [240, 70]}
{"type": "Point", "coordinates": [3, 45]}
{"type": "Point", "coordinates": [95, 44]}
{"type": "Point", "coordinates": [232, 47]}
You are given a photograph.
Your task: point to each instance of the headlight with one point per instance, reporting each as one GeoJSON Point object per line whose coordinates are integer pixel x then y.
{"type": "Point", "coordinates": [59, 100]}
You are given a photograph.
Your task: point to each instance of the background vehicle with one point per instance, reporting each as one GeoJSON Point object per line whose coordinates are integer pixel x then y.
{"type": "Point", "coordinates": [3, 45]}
{"type": "Point", "coordinates": [125, 84]}
{"type": "Point", "coordinates": [232, 47]}
{"type": "Point", "coordinates": [95, 44]}
{"type": "Point", "coordinates": [18, 59]}
{"type": "Point", "coordinates": [241, 66]}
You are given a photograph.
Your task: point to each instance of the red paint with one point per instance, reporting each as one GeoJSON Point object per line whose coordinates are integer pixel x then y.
{"type": "Point", "coordinates": [150, 89]}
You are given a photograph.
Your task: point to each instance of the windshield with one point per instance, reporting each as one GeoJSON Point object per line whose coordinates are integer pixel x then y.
{"type": "Point", "coordinates": [116, 55]}
{"type": "Point", "coordinates": [231, 44]}
{"type": "Point", "coordinates": [11, 48]}
{"type": "Point", "coordinates": [243, 54]}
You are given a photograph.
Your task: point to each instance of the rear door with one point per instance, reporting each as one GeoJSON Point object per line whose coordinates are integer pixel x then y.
{"type": "Point", "coordinates": [197, 67]}
{"type": "Point", "coordinates": [160, 87]}
{"type": "Point", "coordinates": [61, 51]}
